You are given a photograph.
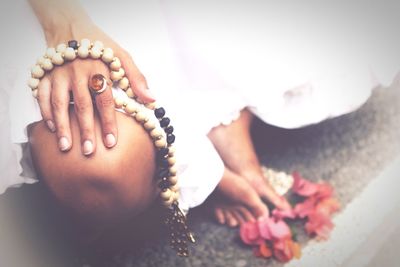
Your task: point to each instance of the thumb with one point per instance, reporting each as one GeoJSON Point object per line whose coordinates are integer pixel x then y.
{"type": "Point", "coordinates": [137, 81]}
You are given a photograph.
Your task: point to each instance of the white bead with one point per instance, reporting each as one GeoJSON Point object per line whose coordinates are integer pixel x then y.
{"type": "Point", "coordinates": [174, 188]}
{"type": "Point", "coordinates": [98, 44]}
{"type": "Point", "coordinates": [33, 83]}
{"type": "Point", "coordinates": [35, 93]}
{"type": "Point", "coordinates": [57, 59]}
{"type": "Point", "coordinates": [83, 51]}
{"type": "Point", "coordinates": [40, 61]}
{"type": "Point", "coordinates": [131, 107]}
{"type": "Point", "coordinates": [123, 83]}
{"type": "Point", "coordinates": [169, 202]}
{"type": "Point", "coordinates": [141, 116]}
{"type": "Point", "coordinates": [151, 106]}
{"type": "Point", "coordinates": [149, 125]}
{"type": "Point", "coordinates": [37, 72]}
{"type": "Point", "coordinates": [166, 195]}
{"type": "Point", "coordinates": [61, 48]}
{"type": "Point", "coordinates": [95, 52]}
{"type": "Point", "coordinates": [129, 92]}
{"type": "Point", "coordinates": [115, 64]}
{"type": "Point", "coordinates": [85, 43]}
{"type": "Point", "coordinates": [69, 54]}
{"type": "Point", "coordinates": [173, 180]}
{"type": "Point", "coordinates": [156, 133]}
{"type": "Point", "coordinates": [47, 65]}
{"type": "Point", "coordinates": [50, 52]}
{"type": "Point", "coordinates": [171, 160]}
{"type": "Point", "coordinates": [175, 196]}
{"type": "Point", "coordinates": [173, 170]}
{"type": "Point", "coordinates": [117, 75]}
{"type": "Point", "coordinates": [160, 143]}
{"type": "Point", "coordinates": [119, 101]}
{"type": "Point", "coordinates": [171, 150]}
{"type": "Point", "coordinates": [108, 55]}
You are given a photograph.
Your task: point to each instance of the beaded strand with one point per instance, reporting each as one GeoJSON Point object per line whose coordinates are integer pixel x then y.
{"type": "Point", "coordinates": [157, 125]}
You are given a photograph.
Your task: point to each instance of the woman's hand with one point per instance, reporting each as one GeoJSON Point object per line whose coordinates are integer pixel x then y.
{"type": "Point", "coordinates": [54, 88]}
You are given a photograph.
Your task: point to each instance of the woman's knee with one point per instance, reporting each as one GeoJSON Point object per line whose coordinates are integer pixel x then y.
{"type": "Point", "coordinates": [109, 182]}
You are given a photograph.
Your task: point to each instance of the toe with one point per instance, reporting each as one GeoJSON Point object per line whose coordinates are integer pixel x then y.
{"type": "Point", "coordinates": [254, 202]}
{"type": "Point", "coordinates": [238, 216]}
{"type": "Point", "coordinates": [232, 222]}
{"type": "Point", "coordinates": [219, 215]}
{"type": "Point", "coordinates": [275, 199]}
{"type": "Point", "coordinates": [248, 217]}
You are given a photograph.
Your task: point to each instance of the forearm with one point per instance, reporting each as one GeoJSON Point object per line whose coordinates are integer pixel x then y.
{"type": "Point", "coordinates": [60, 19]}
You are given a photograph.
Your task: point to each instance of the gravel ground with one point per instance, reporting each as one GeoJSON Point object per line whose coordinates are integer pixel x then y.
{"type": "Point", "coordinates": [347, 151]}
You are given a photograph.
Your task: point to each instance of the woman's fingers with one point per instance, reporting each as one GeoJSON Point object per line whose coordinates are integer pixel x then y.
{"type": "Point", "coordinates": [59, 104]}
{"type": "Point", "coordinates": [105, 107]}
{"type": "Point", "coordinates": [44, 93]}
{"type": "Point", "coordinates": [84, 110]}
{"type": "Point", "coordinates": [137, 80]}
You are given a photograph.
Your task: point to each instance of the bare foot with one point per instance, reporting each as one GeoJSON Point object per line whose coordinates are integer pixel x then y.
{"type": "Point", "coordinates": [236, 201]}
{"type": "Point", "coordinates": [234, 145]}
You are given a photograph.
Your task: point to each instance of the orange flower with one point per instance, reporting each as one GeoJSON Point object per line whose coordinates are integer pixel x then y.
{"type": "Point", "coordinates": [296, 249]}
{"type": "Point", "coordinates": [283, 250]}
{"type": "Point", "coordinates": [328, 206]}
{"type": "Point", "coordinates": [287, 249]}
{"type": "Point", "coordinates": [265, 251]}
{"type": "Point", "coordinates": [319, 224]}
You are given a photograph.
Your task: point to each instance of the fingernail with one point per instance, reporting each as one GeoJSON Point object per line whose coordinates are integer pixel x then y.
{"type": "Point", "coordinates": [63, 143]}
{"type": "Point", "coordinates": [110, 140]}
{"type": "Point", "coordinates": [87, 147]}
{"type": "Point", "coordinates": [51, 126]}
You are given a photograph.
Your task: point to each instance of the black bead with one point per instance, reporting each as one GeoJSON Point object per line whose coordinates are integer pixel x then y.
{"type": "Point", "coordinates": [163, 173]}
{"type": "Point", "coordinates": [169, 129]}
{"type": "Point", "coordinates": [73, 44]}
{"type": "Point", "coordinates": [163, 152]}
{"type": "Point", "coordinates": [159, 112]}
{"type": "Point", "coordinates": [170, 138]}
{"type": "Point", "coordinates": [165, 122]}
{"type": "Point", "coordinates": [160, 158]}
{"type": "Point", "coordinates": [164, 163]}
{"type": "Point", "coordinates": [164, 184]}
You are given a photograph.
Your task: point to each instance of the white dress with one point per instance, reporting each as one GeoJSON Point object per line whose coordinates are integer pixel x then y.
{"type": "Point", "coordinates": [292, 64]}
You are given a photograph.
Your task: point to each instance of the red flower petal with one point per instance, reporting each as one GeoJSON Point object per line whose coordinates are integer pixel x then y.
{"type": "Point", "coordinates": [328, 206]}
{"type": "Point", "coordinates": [324, 190]}
{"type": "Point", "coordinates": [283, 214]}
{"type": "Point", "coordinates": [319, 224]}
{"type": "Point", "coordinates": [264, 227]}
{"type": "Point", "coordinates": [249, 233]}
{"type": "Point", "coordinates": [273, 229]}
{"type": "Point", "coordinates": [306, 207]}
{"type": "Point", "coordinates": [302, 186]}
{"type": "Point", "coordinates": [283, 250]}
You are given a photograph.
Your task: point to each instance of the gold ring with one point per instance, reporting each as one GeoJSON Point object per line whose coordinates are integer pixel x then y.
{"type": "Point", "coordinates": [98, 83]}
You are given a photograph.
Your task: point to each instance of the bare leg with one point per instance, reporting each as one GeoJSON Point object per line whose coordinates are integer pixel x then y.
{"type": "Point", "coordinates": [234, 145]}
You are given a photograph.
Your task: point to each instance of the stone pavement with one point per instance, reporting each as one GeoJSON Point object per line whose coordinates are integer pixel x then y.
{"type": "Point", "coordinates": [347, 151]}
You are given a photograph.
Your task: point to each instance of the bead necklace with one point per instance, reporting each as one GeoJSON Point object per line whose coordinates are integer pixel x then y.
{"type": "Point", "coordinates": [155, 123]}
